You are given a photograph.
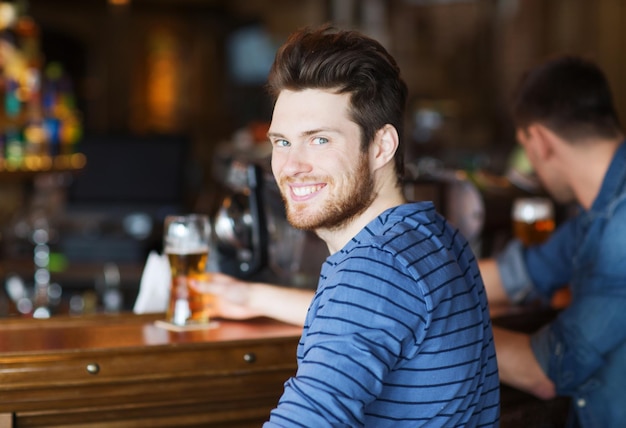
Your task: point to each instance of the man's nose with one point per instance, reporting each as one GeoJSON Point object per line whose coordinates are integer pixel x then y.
{"type": "Point", "coordinates": [294, 161]}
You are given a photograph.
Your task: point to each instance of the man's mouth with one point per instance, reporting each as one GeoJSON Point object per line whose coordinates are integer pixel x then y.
{"type": "Point", "coordinates": [302, 191]}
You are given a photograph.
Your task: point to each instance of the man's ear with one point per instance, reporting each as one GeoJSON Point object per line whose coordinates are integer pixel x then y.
{"type": "Point", "coordinates": [384, 146]}
{"type": "Point", "coordinates": [543, 141]}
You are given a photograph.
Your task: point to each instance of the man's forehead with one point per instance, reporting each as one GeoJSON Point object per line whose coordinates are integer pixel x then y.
{"type": "Point", "coordinates": [309, 109]}
{"type": "Point", "coordinates": [321, 95]}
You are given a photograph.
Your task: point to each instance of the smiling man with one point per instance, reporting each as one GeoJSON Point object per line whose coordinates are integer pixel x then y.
{"type": "Point", "coordinates": [324, 176]}
{"type": "Point", "coordinates": [398, 333]}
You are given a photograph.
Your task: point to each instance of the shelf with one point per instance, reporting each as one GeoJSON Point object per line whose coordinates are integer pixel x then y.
{"type": "Point", "coordinates": [74, 272]}
{"type": "Point", "coordinates": [36, 165]}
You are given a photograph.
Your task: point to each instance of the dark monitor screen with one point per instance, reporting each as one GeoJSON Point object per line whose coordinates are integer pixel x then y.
{"type": "Point", "coordinates": [250, 53]}
{"type": "Point", "coordinates": [131, 170]}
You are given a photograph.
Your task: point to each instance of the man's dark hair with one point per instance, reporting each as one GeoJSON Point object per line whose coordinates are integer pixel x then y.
{"type": "Point", "coordinates": [570, 96]}
{"type": "Point", "coordinates": [345, 62]}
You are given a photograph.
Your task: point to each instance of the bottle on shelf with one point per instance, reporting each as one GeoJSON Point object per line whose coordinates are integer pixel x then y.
{"type": "Point", "coordinates": [39, 120]}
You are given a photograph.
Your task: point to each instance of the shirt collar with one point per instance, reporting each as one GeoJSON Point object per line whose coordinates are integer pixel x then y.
{"type": "Point", "coordinates": [613, 180]}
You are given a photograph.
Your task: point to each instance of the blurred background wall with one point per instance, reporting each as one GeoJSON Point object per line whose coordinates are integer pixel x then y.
{"type": "Point", "coordinates": [168, 66]}
{"type": "Point", "coordinates": [166, 88]}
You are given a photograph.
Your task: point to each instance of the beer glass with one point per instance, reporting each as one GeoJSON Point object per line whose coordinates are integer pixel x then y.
{"type": "Point", "coordinates": [533, 219]}
{"type": "Point", "coordinates": [186, 243]}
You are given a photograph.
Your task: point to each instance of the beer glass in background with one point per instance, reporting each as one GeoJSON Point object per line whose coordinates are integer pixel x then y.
{"type": "Point", "coordinates": [533, 219]}
{"type": "Point", "coordinates": [186, 243]}
{"type": "Point", "coordinates": [533, 223]}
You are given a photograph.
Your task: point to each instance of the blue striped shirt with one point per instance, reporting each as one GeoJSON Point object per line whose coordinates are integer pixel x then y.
{"type": "Point", "coordinates": [398, 333]}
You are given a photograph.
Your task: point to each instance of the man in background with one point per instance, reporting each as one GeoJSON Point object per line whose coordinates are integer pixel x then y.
{"type": "Point", "coordinates": [568, 127]}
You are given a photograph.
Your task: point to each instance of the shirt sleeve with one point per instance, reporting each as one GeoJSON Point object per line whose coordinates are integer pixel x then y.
{"type": "Point", "coordinates": [513, 273]}
{"type": "Point", "coordinates": [550, 265]}
{"type": "Point", "coordinates": [571, 348]}
{"type": "Point", "coordinates": [582, 338]}
{"type": "Point", "coordinates": [538, 271]}
{"type": "Point", "coordinates": [364, 322]}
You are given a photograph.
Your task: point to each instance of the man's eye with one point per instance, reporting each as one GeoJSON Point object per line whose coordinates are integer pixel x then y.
{"type": "Point", "coordinates": [281, 143]}
{"type": "Point", "coordinates": [320, 140]}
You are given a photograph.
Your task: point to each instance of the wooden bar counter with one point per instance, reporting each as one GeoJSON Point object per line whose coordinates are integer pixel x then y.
{"type": "Point", "coordinates": [125, 371]}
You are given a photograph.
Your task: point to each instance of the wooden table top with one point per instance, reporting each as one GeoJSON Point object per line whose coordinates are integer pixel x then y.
{"type": "Point", "coordinates": [126, 330]}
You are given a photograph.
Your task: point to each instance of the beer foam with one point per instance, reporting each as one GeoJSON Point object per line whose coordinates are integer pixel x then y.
{"type": "Point", "coordinates": [186, 249]}
{"type": "Point", "coordinates": [529, 210]}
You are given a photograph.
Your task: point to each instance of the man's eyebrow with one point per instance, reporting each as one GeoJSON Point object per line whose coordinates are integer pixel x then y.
{"type": "Point", "coordinates": [275, 135]}
{"type": "Point", "coordinates": [305, 133]}
{"type": "Point", "coordinates": [318, 131]}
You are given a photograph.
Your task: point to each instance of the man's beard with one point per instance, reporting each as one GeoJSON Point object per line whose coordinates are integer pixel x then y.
{"type": "Point", "coordinates": [339, 210]}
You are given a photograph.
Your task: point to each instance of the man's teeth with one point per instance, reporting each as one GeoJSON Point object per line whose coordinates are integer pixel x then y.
{"type": "Point", "coordinates": [305, 190]}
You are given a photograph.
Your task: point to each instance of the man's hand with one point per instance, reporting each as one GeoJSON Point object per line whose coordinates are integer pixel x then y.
{"type": "Point", "coordinates": [239, 300]}
{"type": "Point", "coordinates": [232, 296]}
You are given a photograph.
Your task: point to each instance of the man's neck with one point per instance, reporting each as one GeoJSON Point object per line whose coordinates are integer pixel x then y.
{"type": "Point", "coordinates": [589, 167]}
{"type": "Point", "coordinates": [337, 238]}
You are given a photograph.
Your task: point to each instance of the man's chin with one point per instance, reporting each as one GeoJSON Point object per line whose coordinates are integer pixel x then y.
{"type": "Point", "coordinates": [303, 220]}
{"type": "Point", "coordinates": [301, 224]}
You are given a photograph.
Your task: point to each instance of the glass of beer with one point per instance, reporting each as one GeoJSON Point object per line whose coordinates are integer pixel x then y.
{"type": "Point", "coordinates": [186, 243]}
{"type": "Point", "coordinates": [533, 219]}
